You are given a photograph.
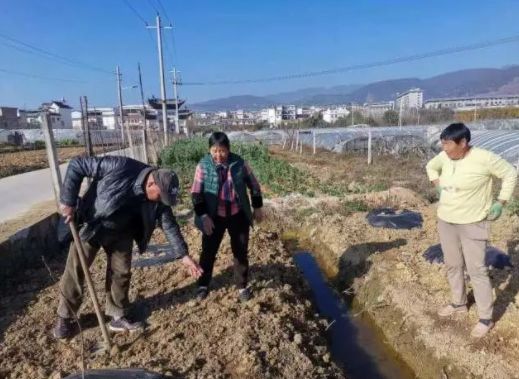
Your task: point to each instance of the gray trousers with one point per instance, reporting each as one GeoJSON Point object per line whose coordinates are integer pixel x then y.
{"type": "Point", "coordinates": [463, 246]}
{"type": "Point", "coordinates": [118, 249]}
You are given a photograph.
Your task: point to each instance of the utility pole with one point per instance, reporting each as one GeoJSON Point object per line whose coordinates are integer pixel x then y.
{"type": "Point", "coordinates": [177, 126]}
{"type": "Point", "coordinates": [119, 92]}
{"type": "Point", "coordinates": [86, 125]}
{"type": "Point", "coordinates": [145, 127]}
{"type": "Point", "coordinates": [162, 82]}
{"type": "Point", "coordinates": [400, 115]}
{"type": "Point", "coordinates": [352, 120]}
{"type": "Point", "coordinates": [52, 156]}
{"type": "Point", "coordinates": [142, 97]}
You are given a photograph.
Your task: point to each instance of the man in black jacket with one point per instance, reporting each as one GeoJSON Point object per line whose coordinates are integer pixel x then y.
{"type": "Point", "coordinates": [125, 201]}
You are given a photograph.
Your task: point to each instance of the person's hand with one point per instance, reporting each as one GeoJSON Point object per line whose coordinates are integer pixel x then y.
{"type": "Point", "coordinates": [207, 225]}
{"type": "Point", "coordinates": [67, 212]}
{"type": "Point", "coordinates": [194, 269]}
{"type": "Point", "coordinates": [258, 215]}
{"type": "Point", "coordinates": [495, 211]}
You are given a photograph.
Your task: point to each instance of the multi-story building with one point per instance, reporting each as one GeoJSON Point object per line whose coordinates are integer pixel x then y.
{"type": "Point", "coordinates": [288, 112]}
{"type": "Point", "coordinates": [412, 98]}
{"type": "Point", "coordinates": [98, 118]}
{"type": "Point", "coordinates": [378, 109]}
{"type": "Point", "coordinates": [9, 118]}
{"type": "Point", "coordinates": [332, 114]}
{"type": "Point", "coordinates": [29, 119]}
{"type": "Point", "coordinates": [60, 114]}
{"type": "Point", "coordinates": [469, 103]}
{"type": "Point", "coordinates": [272, 115]}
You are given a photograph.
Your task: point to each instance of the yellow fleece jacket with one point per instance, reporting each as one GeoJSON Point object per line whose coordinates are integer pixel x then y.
{"type": "Point", "coordinates": [466, 195]}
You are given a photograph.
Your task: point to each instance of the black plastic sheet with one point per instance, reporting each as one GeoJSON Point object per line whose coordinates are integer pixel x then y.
{"type": "Point", "coordinates": [119, 373]}
{"type": "Point", "coordinates": [493, 257]}
{"type": "Point", "coordinates": [389, 218]}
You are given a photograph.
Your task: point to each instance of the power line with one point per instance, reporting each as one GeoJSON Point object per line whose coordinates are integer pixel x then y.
{"type": "Point", "coordinates": [135, 12]}
{"type": "Point", "coordinates": [49, 54]}
{"type": "Point", "coordinates": [387, 62]}
{"type": "Point", "coordinates": [32, 52]}
{"type": "Point", "coordinates": [154, 7]}
{"type": "Point", "coordinates": [40, 76]}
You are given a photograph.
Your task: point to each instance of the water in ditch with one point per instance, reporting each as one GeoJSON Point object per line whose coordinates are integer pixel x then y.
{"type": "Point", "coordinates": [356, 346]}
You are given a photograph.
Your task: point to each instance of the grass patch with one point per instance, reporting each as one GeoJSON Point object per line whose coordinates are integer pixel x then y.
{"type": "Point", "coordinates": [513, 206]}
{"type": "Point", "coordinates": [352, 206]}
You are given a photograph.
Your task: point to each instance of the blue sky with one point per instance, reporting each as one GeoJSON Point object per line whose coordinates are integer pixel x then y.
{"type": "Point", "coordinates": [237, 39]}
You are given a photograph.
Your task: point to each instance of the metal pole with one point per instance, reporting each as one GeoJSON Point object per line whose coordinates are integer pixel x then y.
{"type": "Point", "coordinates": [400, 115]}
{"type": "Point", "coordinates": [88, 142]}
{"type": "Point", "coordinates": [352, 120]}
{"type": "Point", "coordinates": [177, 126]}
{"type": "Point", "coordinates": [120, 94]}
{"type": "Point", "coordinates": [369, 146]}
{"type": "Point", "coordinates": [83, 128]}
{"type": "Point", "coordinates": [313, 142]}
{"type": "Point", "coordinates": [142, 97]}
{"type": "Point", "coordinates": [145, 146]}
{"type": "Point", "coordinates": [52, 156]}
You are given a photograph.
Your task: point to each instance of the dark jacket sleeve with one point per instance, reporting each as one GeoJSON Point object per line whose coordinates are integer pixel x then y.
{"type": "Point", "coordinates": [254, 187]}
{"type": "Point", "coordinates": [85, 167]}
{"type": "Point", "coordinates": [169, 225]}
{"type": "Point", "coordinates": [78, 168]}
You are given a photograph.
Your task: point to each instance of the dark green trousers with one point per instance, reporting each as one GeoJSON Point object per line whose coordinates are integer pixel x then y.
{"type": "Point", "coordinates": [118, 248]}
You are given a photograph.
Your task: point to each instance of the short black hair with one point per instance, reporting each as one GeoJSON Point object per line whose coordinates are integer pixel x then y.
{"type": "Point", "coordinates": [456, 132]}
{"type": "Point", "coordinates": [219, 139]}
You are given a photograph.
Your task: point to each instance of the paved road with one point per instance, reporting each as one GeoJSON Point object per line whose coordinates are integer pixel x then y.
{"type": "Point", "coordinates": [19, 193]}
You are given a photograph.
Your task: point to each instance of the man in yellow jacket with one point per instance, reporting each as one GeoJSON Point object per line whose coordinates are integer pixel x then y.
{"type": "Point", "coordinates": [463, 177]}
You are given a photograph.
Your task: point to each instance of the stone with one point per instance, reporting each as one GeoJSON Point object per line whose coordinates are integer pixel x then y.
{"type": "Point", "coordinates": [326, 358]}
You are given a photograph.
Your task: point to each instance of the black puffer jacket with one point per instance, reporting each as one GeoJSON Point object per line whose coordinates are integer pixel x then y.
{"type": "Point", "coordinates": [117, 182]}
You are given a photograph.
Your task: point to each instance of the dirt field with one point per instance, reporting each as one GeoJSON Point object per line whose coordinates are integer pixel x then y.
{"type": "Point", "coordinates": [277, 334]}
{"type": "Point", "coordinates": [398, 288]}
{"type": "Point", "coordinates": [18, 162]}
{"type": "Point", "coordinates": [274, 335]}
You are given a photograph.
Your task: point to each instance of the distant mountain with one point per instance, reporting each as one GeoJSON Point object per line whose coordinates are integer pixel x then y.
{"type": "Point", "coordinates": [453, 84]}
{"type": "Point", "coordinates": [481, 81]}
{"type": "Point", "coordinates": [304, 95]}
{"type": "Point", "coordinates": [233, 103]}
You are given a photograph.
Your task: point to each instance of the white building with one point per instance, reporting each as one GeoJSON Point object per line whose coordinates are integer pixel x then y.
{"type": "Point", "coordinates": [60, 114]}
{"type": "Point", "coordinates": [377, 109]}
{"type": "Point", "coordinates": [332, 114]}
{"type": "Point", "coordinates": [76, 120]}
{"type": "Point", "coordinates": [272, 115]}
{"type": "Point", "coordinates": [409, 99]}
{"type": "Point", "coordinates": [469, 103]}
{"type": "Point", "coordinates": [98, 118]}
